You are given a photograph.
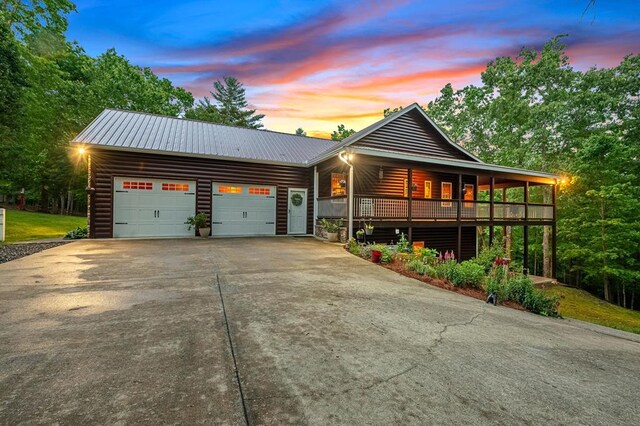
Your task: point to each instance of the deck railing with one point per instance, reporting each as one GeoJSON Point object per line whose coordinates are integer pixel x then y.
{"type": "Point", "coordinates": [397, 208]}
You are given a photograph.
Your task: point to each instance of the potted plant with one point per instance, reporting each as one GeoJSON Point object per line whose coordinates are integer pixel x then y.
{"type": "Point", "coordinates": [360, 234]}
{"type": "Point", "coordinates": [200, 221]}
{"type": "Point", "coordinates": [331, 227]}
{"type": "Point", "coordinates": [368, 228]}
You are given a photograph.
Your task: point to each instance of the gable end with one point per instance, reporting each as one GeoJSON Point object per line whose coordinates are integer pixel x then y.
{"type": "Point", "coordinates": [411, 133]}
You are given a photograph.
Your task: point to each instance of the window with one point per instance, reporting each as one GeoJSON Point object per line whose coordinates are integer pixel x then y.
{"type": "Point", "coordinates": [338, 184]}
{"type": "Point", "coordinates": [468, 194]}
{"type": "Point", "coordinates": [405, 188]}
{"type": "Point", "coordinates": [184, 187]}
{"type": "Point", "coordinates": [227, 189]}
{"type": "Point", "coordinates": [147, 186]}
{"type": "Point", "coordinates": [259, 191]}
{"type": "Point", "coordinates": [446, 193]}
{"type": "Point", "coordinates": [427, 189]}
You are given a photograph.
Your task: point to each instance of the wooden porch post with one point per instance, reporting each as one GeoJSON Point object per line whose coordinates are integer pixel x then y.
{"type": "Point", "coordinates": [554, 235]}
{"type": "Point", "coordinates": [492, 182]}
{"type": "Point", "coordinates": [410, 205]}
{"type": "Point", "coordinates": [459, 240]}
{"type": "Point", "coordinates": [525, 251]}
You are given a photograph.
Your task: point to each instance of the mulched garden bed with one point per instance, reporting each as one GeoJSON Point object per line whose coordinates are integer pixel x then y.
{"type": "Point", "coordinates": [398, 266]}
{"type": "Point", "coordinates": [11, 252]}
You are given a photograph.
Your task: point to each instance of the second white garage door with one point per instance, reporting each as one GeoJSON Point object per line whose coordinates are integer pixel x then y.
{"type": "Point", "coordinates": [243, 210]}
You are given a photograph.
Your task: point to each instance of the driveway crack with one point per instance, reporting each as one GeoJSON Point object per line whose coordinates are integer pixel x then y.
{"type": "Point", "coordinates": [446, 327]}
{"type": "Point", "coordinates": [233, 353]}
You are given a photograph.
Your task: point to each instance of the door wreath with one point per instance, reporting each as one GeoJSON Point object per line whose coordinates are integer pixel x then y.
{"type": "Point", "coordinates": [296, 199]}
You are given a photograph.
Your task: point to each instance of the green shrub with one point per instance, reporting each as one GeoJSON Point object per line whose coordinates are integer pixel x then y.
{"type": "Point", "coordinates": [429, 256]}
{"type": "Point", "coordinates": [365, 251]}
{"type": "Point", "coordinates": [518, 288]}
{"type": "Point", "coordinates": [539, 303]}
{"type": "Point", "coordinates": [420, 267]}
{"type": "Point", "coordinates": [468, 274]}
{"type": "Point", "coordinates": [387, 254]}
{"type": "Point", "coordinates": [403, 245]}
{"type": "Point", "coordinates": [77, 234]}
{"type": "Point", "coordinates": [488, 256]}
{"type": "Point", "coordinates": [354, 247]}
{"type": "Point", "coordinates": [497, 283]}
{"type": "Point", "coordinates": [446, 270]}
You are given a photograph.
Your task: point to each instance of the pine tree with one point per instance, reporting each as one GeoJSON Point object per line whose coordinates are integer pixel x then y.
{"type": "Point", "coordinates": [300, 132]}
{"type": "Point", "coordinates": [230, 106]}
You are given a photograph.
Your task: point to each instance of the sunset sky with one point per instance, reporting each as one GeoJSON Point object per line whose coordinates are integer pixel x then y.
{"type": "Point", "coordinates": [316, 64]}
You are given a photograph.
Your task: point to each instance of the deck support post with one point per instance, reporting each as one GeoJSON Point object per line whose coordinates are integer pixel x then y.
{"type": "Point", "coordinates": [492, 183]}
{"type": "Point", "coordinates": [554, 235]}
{"type": "Point", "coordinates": [525, 231]}
{"type": "Point", "coordinates": [410, 203]}
{"type": "Point", "coordinates": [350, 204]}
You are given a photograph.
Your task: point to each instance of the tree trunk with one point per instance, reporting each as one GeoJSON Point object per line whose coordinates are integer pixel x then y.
{"type": "Point", "coordinates": [605, 284]}
{"type": "Point", "coordinates": [624, 296]}
{"type": "Point", "coordinates": [44, 199]}
{"type": "Point", "coordinates": [633, 297]}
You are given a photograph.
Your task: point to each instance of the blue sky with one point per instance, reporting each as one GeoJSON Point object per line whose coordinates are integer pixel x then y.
{"type": "Point", "coordinates": [317, 64]}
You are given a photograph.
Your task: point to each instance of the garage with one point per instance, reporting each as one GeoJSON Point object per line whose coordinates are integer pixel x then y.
{"type": "Point", "coordinates": [241, 209]}
{"type": "Point", "coordinates": [152, 207]}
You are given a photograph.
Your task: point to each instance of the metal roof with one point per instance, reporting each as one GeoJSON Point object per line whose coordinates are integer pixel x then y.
{"type": "Point", "coordinates": [136, 131]}
{"type": "Point", "coordinates": [453, 163]}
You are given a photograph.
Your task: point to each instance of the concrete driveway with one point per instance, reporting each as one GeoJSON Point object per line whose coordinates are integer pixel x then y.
{"type": "Point", "coordinates": [134, 332]}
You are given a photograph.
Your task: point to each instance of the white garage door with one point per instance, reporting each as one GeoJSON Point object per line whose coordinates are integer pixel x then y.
{"type": "Point", "coordinates": [240, 209]}
{"type": "Point", "coordinates": [152, 207]}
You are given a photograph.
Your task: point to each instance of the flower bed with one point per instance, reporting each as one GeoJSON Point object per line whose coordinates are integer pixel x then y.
{"type": "Point", "coordinates": [488, 274]}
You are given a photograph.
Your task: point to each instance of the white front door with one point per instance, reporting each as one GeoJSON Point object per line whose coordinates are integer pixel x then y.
{"type": "Point", "coordinates": [152, 207]}
{"type": "Point", "coordinates": [243, 210]}
{"type": "Point", "coordinates": [297, 222]}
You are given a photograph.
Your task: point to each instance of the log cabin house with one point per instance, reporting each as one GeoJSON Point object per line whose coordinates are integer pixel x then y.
{"type": "Point", "coordinates": [148, 173]}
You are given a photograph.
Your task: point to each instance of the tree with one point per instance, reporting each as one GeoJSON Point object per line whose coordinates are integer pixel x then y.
{"type": "Point", "coordinates": [12, 85]}
{"type": "Point", "coordinates": [300, 132]}
{"type": "Point", "coordinates": [535, 111]}
{"type": "Point", "coordinates": [26, 17]}
{"type": "Point", "coordinates": [341, 133]}
{"type": "Point", "coordinates": [231, 107]}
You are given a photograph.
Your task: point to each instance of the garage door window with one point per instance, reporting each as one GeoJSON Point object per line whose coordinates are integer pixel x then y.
{"type": "Point", "coordinates": [175, 187]}
{"type": "Point", "coordinates": [147, 186]}
{"type": "Point", "coordinates": [259, 191]}
{"type": "Point", "coordinates": [227, 189]}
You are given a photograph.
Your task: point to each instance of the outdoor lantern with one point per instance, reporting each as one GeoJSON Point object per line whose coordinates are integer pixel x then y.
{"type": "Point", "coordinates": [414, 187]}
{"type": "Point", "coordinates": [380, 173]}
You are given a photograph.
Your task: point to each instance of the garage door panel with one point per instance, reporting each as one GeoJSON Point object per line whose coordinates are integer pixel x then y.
{"type": "Point", "coordinates": [243, 210]}
{"type": "Point", "coordinates": [152, 207]}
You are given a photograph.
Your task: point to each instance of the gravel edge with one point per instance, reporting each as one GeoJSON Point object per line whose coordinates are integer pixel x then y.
{"type": "Point", "coordinates": [11, 252]}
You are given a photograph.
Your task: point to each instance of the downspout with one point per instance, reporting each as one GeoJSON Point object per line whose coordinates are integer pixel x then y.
{"type": "Point", "coordinates": [346, 158]}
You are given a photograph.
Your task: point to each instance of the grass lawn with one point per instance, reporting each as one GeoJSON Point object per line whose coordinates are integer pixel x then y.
{"type": "Point", "coordinates": [579, 304]}
{"type": "Point", "coordinates": [28, 226]}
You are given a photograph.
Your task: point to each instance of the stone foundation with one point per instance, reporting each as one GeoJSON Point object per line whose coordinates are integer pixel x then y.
{"type": "Point", "coordinates": [342, 234]}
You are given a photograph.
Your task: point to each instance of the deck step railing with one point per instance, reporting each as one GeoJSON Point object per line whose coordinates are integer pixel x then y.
{"type": "Point", "coordinates": [332, 207]}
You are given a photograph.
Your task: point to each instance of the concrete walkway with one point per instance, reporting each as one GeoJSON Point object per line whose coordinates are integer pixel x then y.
{"type": "Point", "coordinates": [135, 332]}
